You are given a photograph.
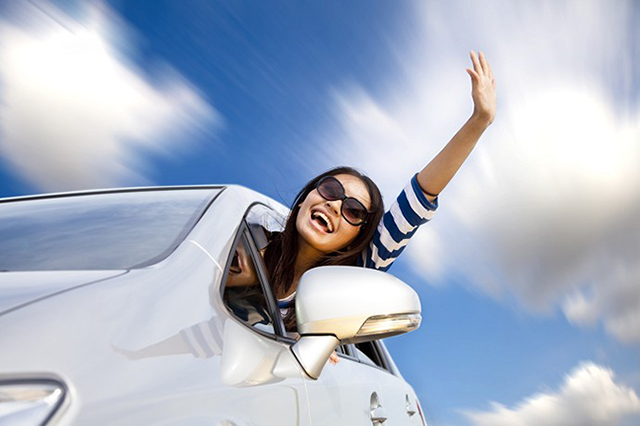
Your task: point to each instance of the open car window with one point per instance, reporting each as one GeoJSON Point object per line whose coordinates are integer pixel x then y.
{"type": "Point", "coordinates": [369, 353]}
{"type": "Point", "coordinates": [247, 292]}
{"type": "Point", "coordinates": [244, 291]}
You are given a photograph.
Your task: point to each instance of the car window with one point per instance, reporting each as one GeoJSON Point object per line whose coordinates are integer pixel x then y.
{"type": "Point", "coordinates": [369, 353]}
{"type": "Point", "coordinates": [384, 352]}
{"type": "Point", "coordinates": [243, 293]}
{"type": "Point", "coordinates": [115, 230]}
{"type": "Point", "coordinates": [346, 351]}
{"type": "Point", "coordinates": [262, 223]}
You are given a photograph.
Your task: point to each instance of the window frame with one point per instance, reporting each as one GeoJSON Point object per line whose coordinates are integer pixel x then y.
{"type": "Point", "coordinates": [244, 229]}
{"type": "Point", "coordinates": [380, 353]}
{"type": "Point", "coordinates": [346, 352]}
{"type": "Point", "coordinates": [243, 232]}
{"type": "Point", "coordinates": [258, 264]}
{"type": "Point", "coordinates": [393, 368]}
{"type": "Point", "coordinates": [261, 269]}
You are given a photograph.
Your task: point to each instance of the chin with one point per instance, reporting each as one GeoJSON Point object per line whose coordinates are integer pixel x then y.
{"type": "Point", "coordinates": [311, 239]}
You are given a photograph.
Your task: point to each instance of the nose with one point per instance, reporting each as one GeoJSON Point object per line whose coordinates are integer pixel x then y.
{"type": "Point", "coordinates": [334, 206]}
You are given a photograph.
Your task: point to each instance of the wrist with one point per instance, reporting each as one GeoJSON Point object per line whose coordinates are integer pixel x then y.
{"type": "Point", "coordinates": [482, 120]}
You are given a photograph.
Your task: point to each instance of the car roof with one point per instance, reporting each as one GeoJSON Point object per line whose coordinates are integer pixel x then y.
{"type": "Point", "coordinates": [110, 191]}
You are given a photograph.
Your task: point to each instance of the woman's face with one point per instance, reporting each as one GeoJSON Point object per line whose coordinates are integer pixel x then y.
{"type": "Point", "coordinates": [241, 272]}
{"type": "Point", "coordinates": [315, 210]}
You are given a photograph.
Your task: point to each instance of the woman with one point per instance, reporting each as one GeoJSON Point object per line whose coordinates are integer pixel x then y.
{"type": "Point", "coordinates": [338, 217]}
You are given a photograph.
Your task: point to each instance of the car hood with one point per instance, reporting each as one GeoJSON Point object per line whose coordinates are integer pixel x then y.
{"type": "Point", "coordinates": [18, 289]}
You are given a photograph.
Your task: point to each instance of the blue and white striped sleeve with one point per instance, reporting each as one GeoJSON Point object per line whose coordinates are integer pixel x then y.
{"type": "Point", "coordinates": [410, 210]}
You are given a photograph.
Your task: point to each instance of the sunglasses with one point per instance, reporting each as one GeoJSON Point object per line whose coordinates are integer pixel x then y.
{"type": "Point", "coordinates": [352, 210]}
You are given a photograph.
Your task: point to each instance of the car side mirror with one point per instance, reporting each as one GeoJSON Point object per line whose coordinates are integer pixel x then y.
{"type": "Point", "coordinates": [348, 304]}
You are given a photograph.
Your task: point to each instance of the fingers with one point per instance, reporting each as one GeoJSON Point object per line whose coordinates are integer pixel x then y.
{"type": "Point", "coordinates": [477, 67]}
{"type": "Point", "coordinates": [474, 75]}
{"type": "Point", "coordinates": [481, 65]}
{"type": "Point", "coordinates": [485, 65]}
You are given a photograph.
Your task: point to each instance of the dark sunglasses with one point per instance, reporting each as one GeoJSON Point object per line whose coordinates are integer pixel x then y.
{"type": "Point", "coordinates": [352, 210]}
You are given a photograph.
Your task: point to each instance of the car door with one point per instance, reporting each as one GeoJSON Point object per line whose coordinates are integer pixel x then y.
{"type": "Point", "coordinates": [347, 393]}
{"type": "Point", "coordinates": [256, 362]}
{"type": "Point", "coordinates": [408, 405]}
{"type": "Point", "coordinates": [397, 400]}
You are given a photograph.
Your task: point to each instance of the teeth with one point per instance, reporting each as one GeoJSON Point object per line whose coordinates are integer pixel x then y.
{"type": "Point", "coordinates": [325, 218]}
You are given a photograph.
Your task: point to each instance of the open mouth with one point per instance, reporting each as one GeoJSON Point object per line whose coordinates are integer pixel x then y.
{"type": "Point", "coordinates": [322, 220]}
{"type": "Point", "coordinates": [235, 268]}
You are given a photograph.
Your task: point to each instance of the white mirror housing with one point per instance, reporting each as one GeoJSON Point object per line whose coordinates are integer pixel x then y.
{"type": "Point", "coordinates": [348, 304]}
{"type": "Point", "coordinates": [355, 304]}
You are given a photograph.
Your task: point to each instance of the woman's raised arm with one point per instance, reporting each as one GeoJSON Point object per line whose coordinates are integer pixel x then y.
{"type": "Point", "coordinates": [437, 174]}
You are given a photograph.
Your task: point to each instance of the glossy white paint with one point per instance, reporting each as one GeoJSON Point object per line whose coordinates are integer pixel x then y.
{"type": "Point", "coordinates": [117, 341]}
{"type": "Point", "coordinates": [250, 359]}
{"type": "Point", "coordinates": [342, 393]}
{"type": "Point", "coordinates": [312, 352]}
{"type": "Point", "coordinates": [20, 288]}
{"type": "Point", "coordinates": [338, 300]}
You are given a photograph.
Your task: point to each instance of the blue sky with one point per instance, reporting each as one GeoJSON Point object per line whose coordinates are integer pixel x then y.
{"type": "Point", "coordinates": [528, 274]}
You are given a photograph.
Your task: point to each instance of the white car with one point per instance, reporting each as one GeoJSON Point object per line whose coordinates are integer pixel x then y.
{"type": "Point", "coordinates": [127, 307]}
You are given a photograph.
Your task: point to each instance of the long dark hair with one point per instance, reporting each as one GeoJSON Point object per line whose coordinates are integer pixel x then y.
{"type": "Point", "coordinates": [281, 253]}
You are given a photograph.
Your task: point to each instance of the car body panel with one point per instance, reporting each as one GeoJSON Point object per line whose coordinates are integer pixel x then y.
{"type": "Point", "coordinates": [21, 288]}
{"type": "Point", "coordinates": [342, 394]}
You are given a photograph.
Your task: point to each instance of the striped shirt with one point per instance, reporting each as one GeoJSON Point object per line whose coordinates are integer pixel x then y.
{"type": "Point", "coordinates": [410, 210]}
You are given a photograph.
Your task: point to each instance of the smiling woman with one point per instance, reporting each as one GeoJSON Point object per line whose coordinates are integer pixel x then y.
{"type": "Point", "coordinates": [338, 217]}
{"type": "Point", "coordinates": [317, 232]}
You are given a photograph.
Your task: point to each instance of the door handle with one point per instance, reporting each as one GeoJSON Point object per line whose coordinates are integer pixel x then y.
{"type": "Point", "coordinates": [378, 414]}
{"type": "Point", "coordinates": [411, 408]}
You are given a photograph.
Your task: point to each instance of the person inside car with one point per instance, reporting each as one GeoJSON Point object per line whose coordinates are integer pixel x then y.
{"type": "Point", "coordinates": [338, 217]}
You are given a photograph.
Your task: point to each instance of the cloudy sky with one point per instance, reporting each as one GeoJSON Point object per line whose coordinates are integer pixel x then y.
{"type": "Point", "coordinates": [529, 274]}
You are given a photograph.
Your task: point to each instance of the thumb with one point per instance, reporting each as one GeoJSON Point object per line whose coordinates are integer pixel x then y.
{"type": "Point", "coordinates": [474, 75]}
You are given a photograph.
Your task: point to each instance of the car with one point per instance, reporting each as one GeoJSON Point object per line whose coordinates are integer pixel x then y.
{"type": "Point", "coordinates": [152, 306]}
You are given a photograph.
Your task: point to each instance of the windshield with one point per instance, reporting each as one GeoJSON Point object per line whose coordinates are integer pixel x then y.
{"type": "Point", "coordinates": [120, 230]}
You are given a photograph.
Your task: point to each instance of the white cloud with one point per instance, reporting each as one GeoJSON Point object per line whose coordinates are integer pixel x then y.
{"type": "Point", "coordinates": [546, 208]}
{"type": "Point", "coordinates": [75, 114]}
{"type": "Point", "coordinates": [619, 302]}
{"type": "Point", "coordinates": [589, 396]}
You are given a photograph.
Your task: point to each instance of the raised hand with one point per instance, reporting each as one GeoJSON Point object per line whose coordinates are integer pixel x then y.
{"type": "Point", "coordinates": [483, 88]}
{"type": "Point", "coordinates": [438, 173]}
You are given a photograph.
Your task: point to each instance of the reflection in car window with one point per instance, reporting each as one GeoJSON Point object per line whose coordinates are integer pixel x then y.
{"type": "Point", "coordinates": [243, 293]}
{"type": "Point", "coordinates": [266, 217]}
{"type": "Point", "coordinates": [117, 230]}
